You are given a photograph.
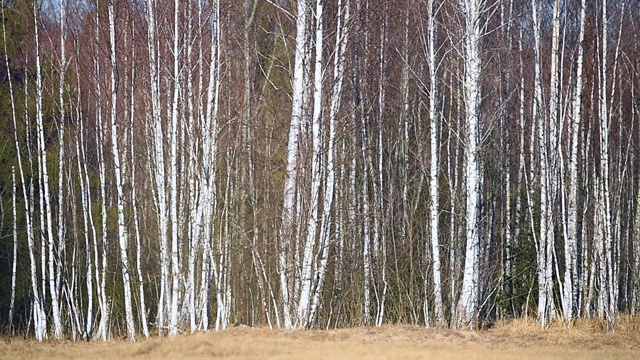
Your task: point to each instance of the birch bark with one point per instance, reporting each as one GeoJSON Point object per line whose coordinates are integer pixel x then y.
{"type": "Point", "coordinates": [297, 112]}
{"type": "Point", "coordinates": [342, 33]}
{"type": "Point", "coordinates": [434, 165]}
{"type": "Point", "coordinates": [173, 174]}
{"type": "Point", "coordinates": [570, 277]}
{"type": "Point", "coordinates": [14, 263]}
{"type": "Point", "coordinates": [158, 164]}
{"type": "Point", "coordinates": [46, 209]}
{"type": "Point", "coordinates": [469, 298]}
{"type": "Point", "coordinates": [60, 249]}
{"type": "Point", "coordinates": [314, 217]}
{"type": "Point", "coordinates": [28, 218]}
{"type": "Point", "coordinates": [122, 235]}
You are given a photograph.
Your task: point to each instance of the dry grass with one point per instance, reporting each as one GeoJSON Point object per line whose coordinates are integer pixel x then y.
{"type": "Point", "coordinates": [508, 340]}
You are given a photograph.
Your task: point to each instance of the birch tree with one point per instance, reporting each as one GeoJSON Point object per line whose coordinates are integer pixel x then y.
{"type": "Point", "coordinates": [435, 184]}
{"type": "Point", "coordinates": [314, 217]}
{"type": "Point", "coordinates": [61, 247]}
{"type": "Point", "coordinates": [134, 201]}
{"type": "Point", "coordinates": [606, 234]}
{"type": "Point", "coordinates": [157, 154]}
{"type": "Point", "coordinates": [297, 111]}
{"type": "Point", "coordinates": [13, 196]}
{"type": "Point", "coordinates": [173, 173]}
{"type": "Point", "coordinates": [342, 40]}
{"type": "Point", "coordinates": [544, 242]}
{"type": "Point", "coordinates": [433, 9]}
{"type": "Point", "coordinates": [122, 235]}
{"type": "Point", "coordinates": [208, 170]}
{"type": "Point", "coordinates": [36, 304]}
{"type": "Point", "coordinates": [46, 209]}
{"type": "Point", "coordinates": [14, 263]}
{"type": "Point", "coordinates": [548, 142]}
{"type": "Point", "coordinates": [468, 305]}
{"type": "Point", "coordinates": [571, 237]}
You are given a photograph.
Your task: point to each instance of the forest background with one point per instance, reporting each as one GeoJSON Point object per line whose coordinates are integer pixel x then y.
{"type": "Point", "coordinates": [174, 166]}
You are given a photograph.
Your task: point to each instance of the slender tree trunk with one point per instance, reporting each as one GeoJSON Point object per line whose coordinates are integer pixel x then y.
{"type": "Point", "coordinates": [380, 220]}
{"type": "Point", "coordinates": [15, 247]}
{"type": "Point", "coordinates": [173, 175]}
{"type": "Point", "coordinates": [570, 277]}
{"type": "Point", "coordinates": [101, 271]}
{"type": "Point", "coordinates": [45, 196]}
{"type": "Point", "coordinates": [86, 215]}
{"type": "Point", "coordinates": [342, 33]}
{"type": "Point", "coordinates": [287, 225]}
{"type": "Point", "coordinates": [136, 218]}
{"type": "Point", "coordinates": [158, 164]}
{"type": "Point", "coordinates": [61, 248]}
{"type": "Point", "coordinates": [469, 298]}
{"type": "Point", "coordinates": [434, 167]}
{"type": "Point", "coordinates": [607, 267]}
{"type": "Point", "coordinates": [13, 187]}
{"type": "Point", "coordinates": [314, 217]}
{"type": "Point", "coordinates": [122, 235]}
{"type": "Point", "coordinates": [37, 308]}
{"type": "Point", "coordinates": [209, 169]}
{"type": "Point", "coordinates": [366, 226]}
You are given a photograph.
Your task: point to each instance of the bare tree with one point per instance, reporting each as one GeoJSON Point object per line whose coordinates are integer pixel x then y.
{"type": "Point", "coordinates": [473, 28]}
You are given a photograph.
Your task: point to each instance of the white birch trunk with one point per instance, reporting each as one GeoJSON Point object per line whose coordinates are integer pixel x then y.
{"type": "Point", "coordinates": [14, 263]}
{"type": "Point", "coordinates": [453, 149]}
{"type": "Point", "coordinates": [544, 243]}
{"type": "Point", "coordinates": [223, 272]}
{"type": "Point", "coordinates": [608, 280]}
{"type": "Point", "coordinates": [297, 112]}
{"type": "Point", "coordinates": [173, 176]}
{"type": "Point", "coordinates": [549, 165]}
{"type": "Point", "coordinates": [101, 271]}
{"type": "Point", "coordinates": [193, 179]}
{"type": "Point", "coordinates": [433, 209]}
{"type": "Point", "coordinates": [39, 316]}
{"type": "Point", "coordinates": [86, 214]}
{"type": "Point", "coordinates": [379, 232]}
{"type": "Point", "coordinates": [31, 198]}
{"type": "Point", "coordinates": [61, 248]}
{"type": "Point", "coordinates": [342, 32]}
{"type": "Point", "coordinates": [366, 237]}
{"type": "Point", "coordinates": [537, 103]}
{"type": "Point", "coordinates": [614, 201]}
{"type": "Point", "coordinates": [136, 219]}
{"type": "Point", "coordinates": [570, 277]}
{"type": "Point", "coordinates": [122, 235]}
{"type": "Point", "coordinates": [314, 217]}
{"type": "Point", "coordinates": [209, 170]}
{"type": "Point", "coordinates": [45, 196]}
{"type": "Point", "coordinates": [158, 165]}
{"type": "Point", "coordinates": [469, 298]}
{"type": "Point", "coordinates": [13, 183]}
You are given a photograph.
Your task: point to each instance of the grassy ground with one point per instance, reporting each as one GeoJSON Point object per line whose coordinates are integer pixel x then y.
{"type": "Point", "coordinates": [510, 340]}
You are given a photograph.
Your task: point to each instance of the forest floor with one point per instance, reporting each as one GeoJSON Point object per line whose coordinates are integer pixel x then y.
{"type": "Point", "coordinates": [509, 340]}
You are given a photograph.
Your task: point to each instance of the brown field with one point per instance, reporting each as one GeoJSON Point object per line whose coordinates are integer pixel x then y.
{"type": "Point", "coordinates": [512, 340]}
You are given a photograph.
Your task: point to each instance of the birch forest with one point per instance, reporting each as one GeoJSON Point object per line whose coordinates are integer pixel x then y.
{"type": "Point", "coordinates": [172, 166]}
